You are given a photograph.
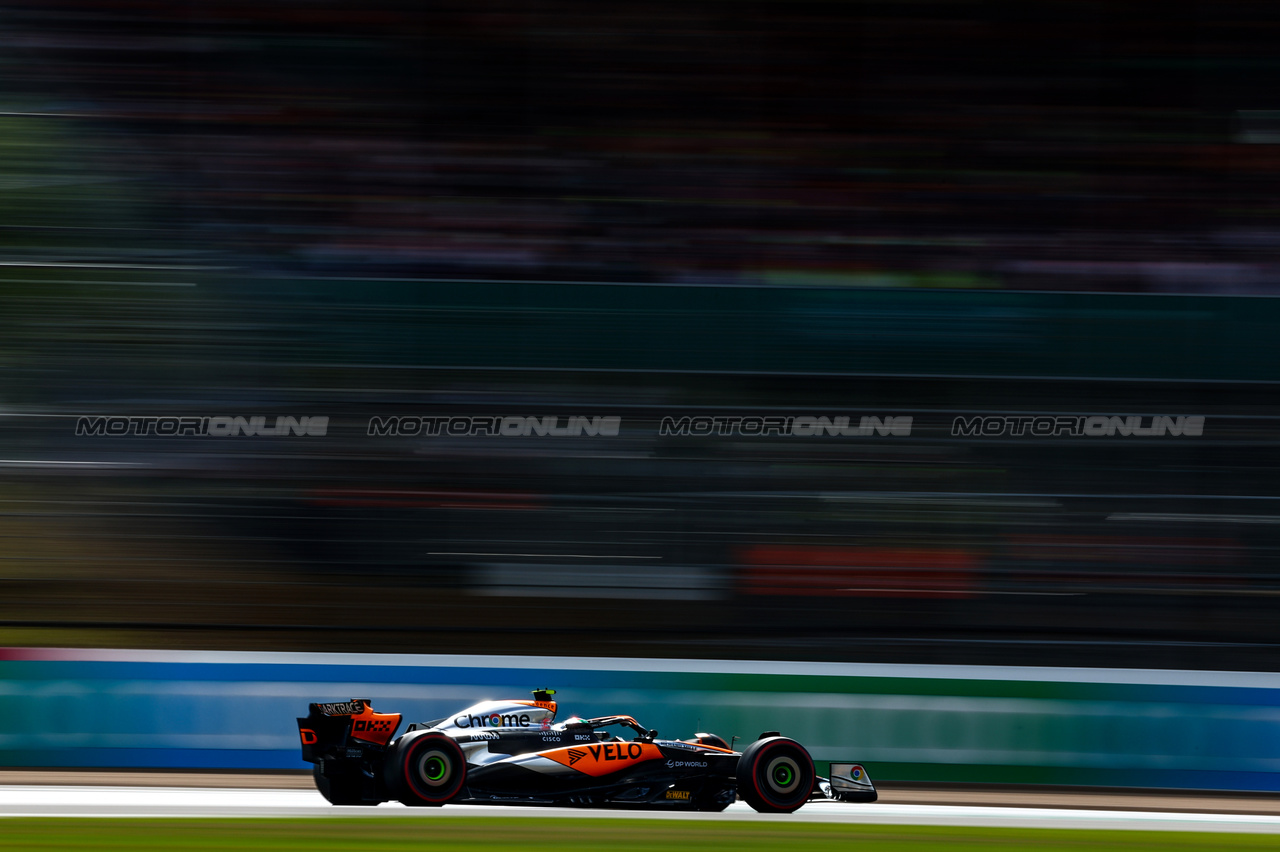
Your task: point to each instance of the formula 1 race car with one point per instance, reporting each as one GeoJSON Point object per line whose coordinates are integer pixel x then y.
{"type": "Point", "coordinates": [513, 752]}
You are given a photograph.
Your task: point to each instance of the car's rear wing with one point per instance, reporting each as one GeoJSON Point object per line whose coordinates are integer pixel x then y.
{"type": "Point", "coordinates": [332, 726]}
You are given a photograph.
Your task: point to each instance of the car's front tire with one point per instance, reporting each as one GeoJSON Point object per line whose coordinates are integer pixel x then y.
{"type": "Point", "coordinates": [775, 775]}
{"type": "Point", "coordinates": [425, 768]}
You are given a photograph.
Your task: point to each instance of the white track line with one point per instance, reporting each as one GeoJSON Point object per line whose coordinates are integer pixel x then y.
{"type": "Point", "coordinates": [55, 801]}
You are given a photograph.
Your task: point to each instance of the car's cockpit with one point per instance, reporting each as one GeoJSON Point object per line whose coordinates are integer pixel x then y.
{"type": "Point", "coordinates": [601, 725]}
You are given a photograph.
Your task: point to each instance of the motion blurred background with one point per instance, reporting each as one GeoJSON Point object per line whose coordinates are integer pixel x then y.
{"type": "Point", "coordinates": [643, 211]}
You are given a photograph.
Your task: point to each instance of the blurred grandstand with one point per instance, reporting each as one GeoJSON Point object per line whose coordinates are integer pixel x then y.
{"type": "Point", "coordinates": [561, 209]}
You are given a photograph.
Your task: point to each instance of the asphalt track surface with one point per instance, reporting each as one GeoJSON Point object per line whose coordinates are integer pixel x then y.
{"type": "Point", "coordinates": [64, 801]}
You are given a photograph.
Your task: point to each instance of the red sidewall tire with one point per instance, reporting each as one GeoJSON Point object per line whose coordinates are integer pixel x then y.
{"type": "Point", "coordinates": [427, 769]}
{"type": "Point", "coordinates": [776, 775]}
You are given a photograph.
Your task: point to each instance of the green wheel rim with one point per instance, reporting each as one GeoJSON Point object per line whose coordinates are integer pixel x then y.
{"type": "Point", "coordinates": [435, 769]}
{"type": "Point", "coordinates": [782, 775]}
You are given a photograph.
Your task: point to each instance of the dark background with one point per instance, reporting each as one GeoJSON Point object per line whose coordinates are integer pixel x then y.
{"type": "Point", "coordinates": [639, 210]}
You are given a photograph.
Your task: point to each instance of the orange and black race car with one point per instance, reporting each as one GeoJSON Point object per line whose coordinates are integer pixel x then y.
{"type": "Point", "coordinates": [514, 752]}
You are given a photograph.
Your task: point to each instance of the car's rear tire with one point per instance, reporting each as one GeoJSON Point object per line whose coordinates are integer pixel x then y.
{"type": "Point", "coordinates": [342, 789]}
{"type": "Point", "coordinates": [426, 768]}
{"type": "Point", "coordinates": [775, 775]}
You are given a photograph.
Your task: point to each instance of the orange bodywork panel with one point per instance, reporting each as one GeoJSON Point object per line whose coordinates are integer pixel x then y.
{"type": "Point", "coordinates": [604, 758]}
{"type": "Point", "coordinates": [709, 747]}
{"type": "Point", "coordinates": [545, 705]}
{"type": "Point", "coordinates": [371, 727]}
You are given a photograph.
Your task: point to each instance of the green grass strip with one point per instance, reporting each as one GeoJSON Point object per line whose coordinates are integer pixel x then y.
{"type": "Point", "coordinates": [546, 834]}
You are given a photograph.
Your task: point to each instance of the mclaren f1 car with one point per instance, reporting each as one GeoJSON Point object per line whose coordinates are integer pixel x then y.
{"type": "Point", "coordinates": [514, 752]}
